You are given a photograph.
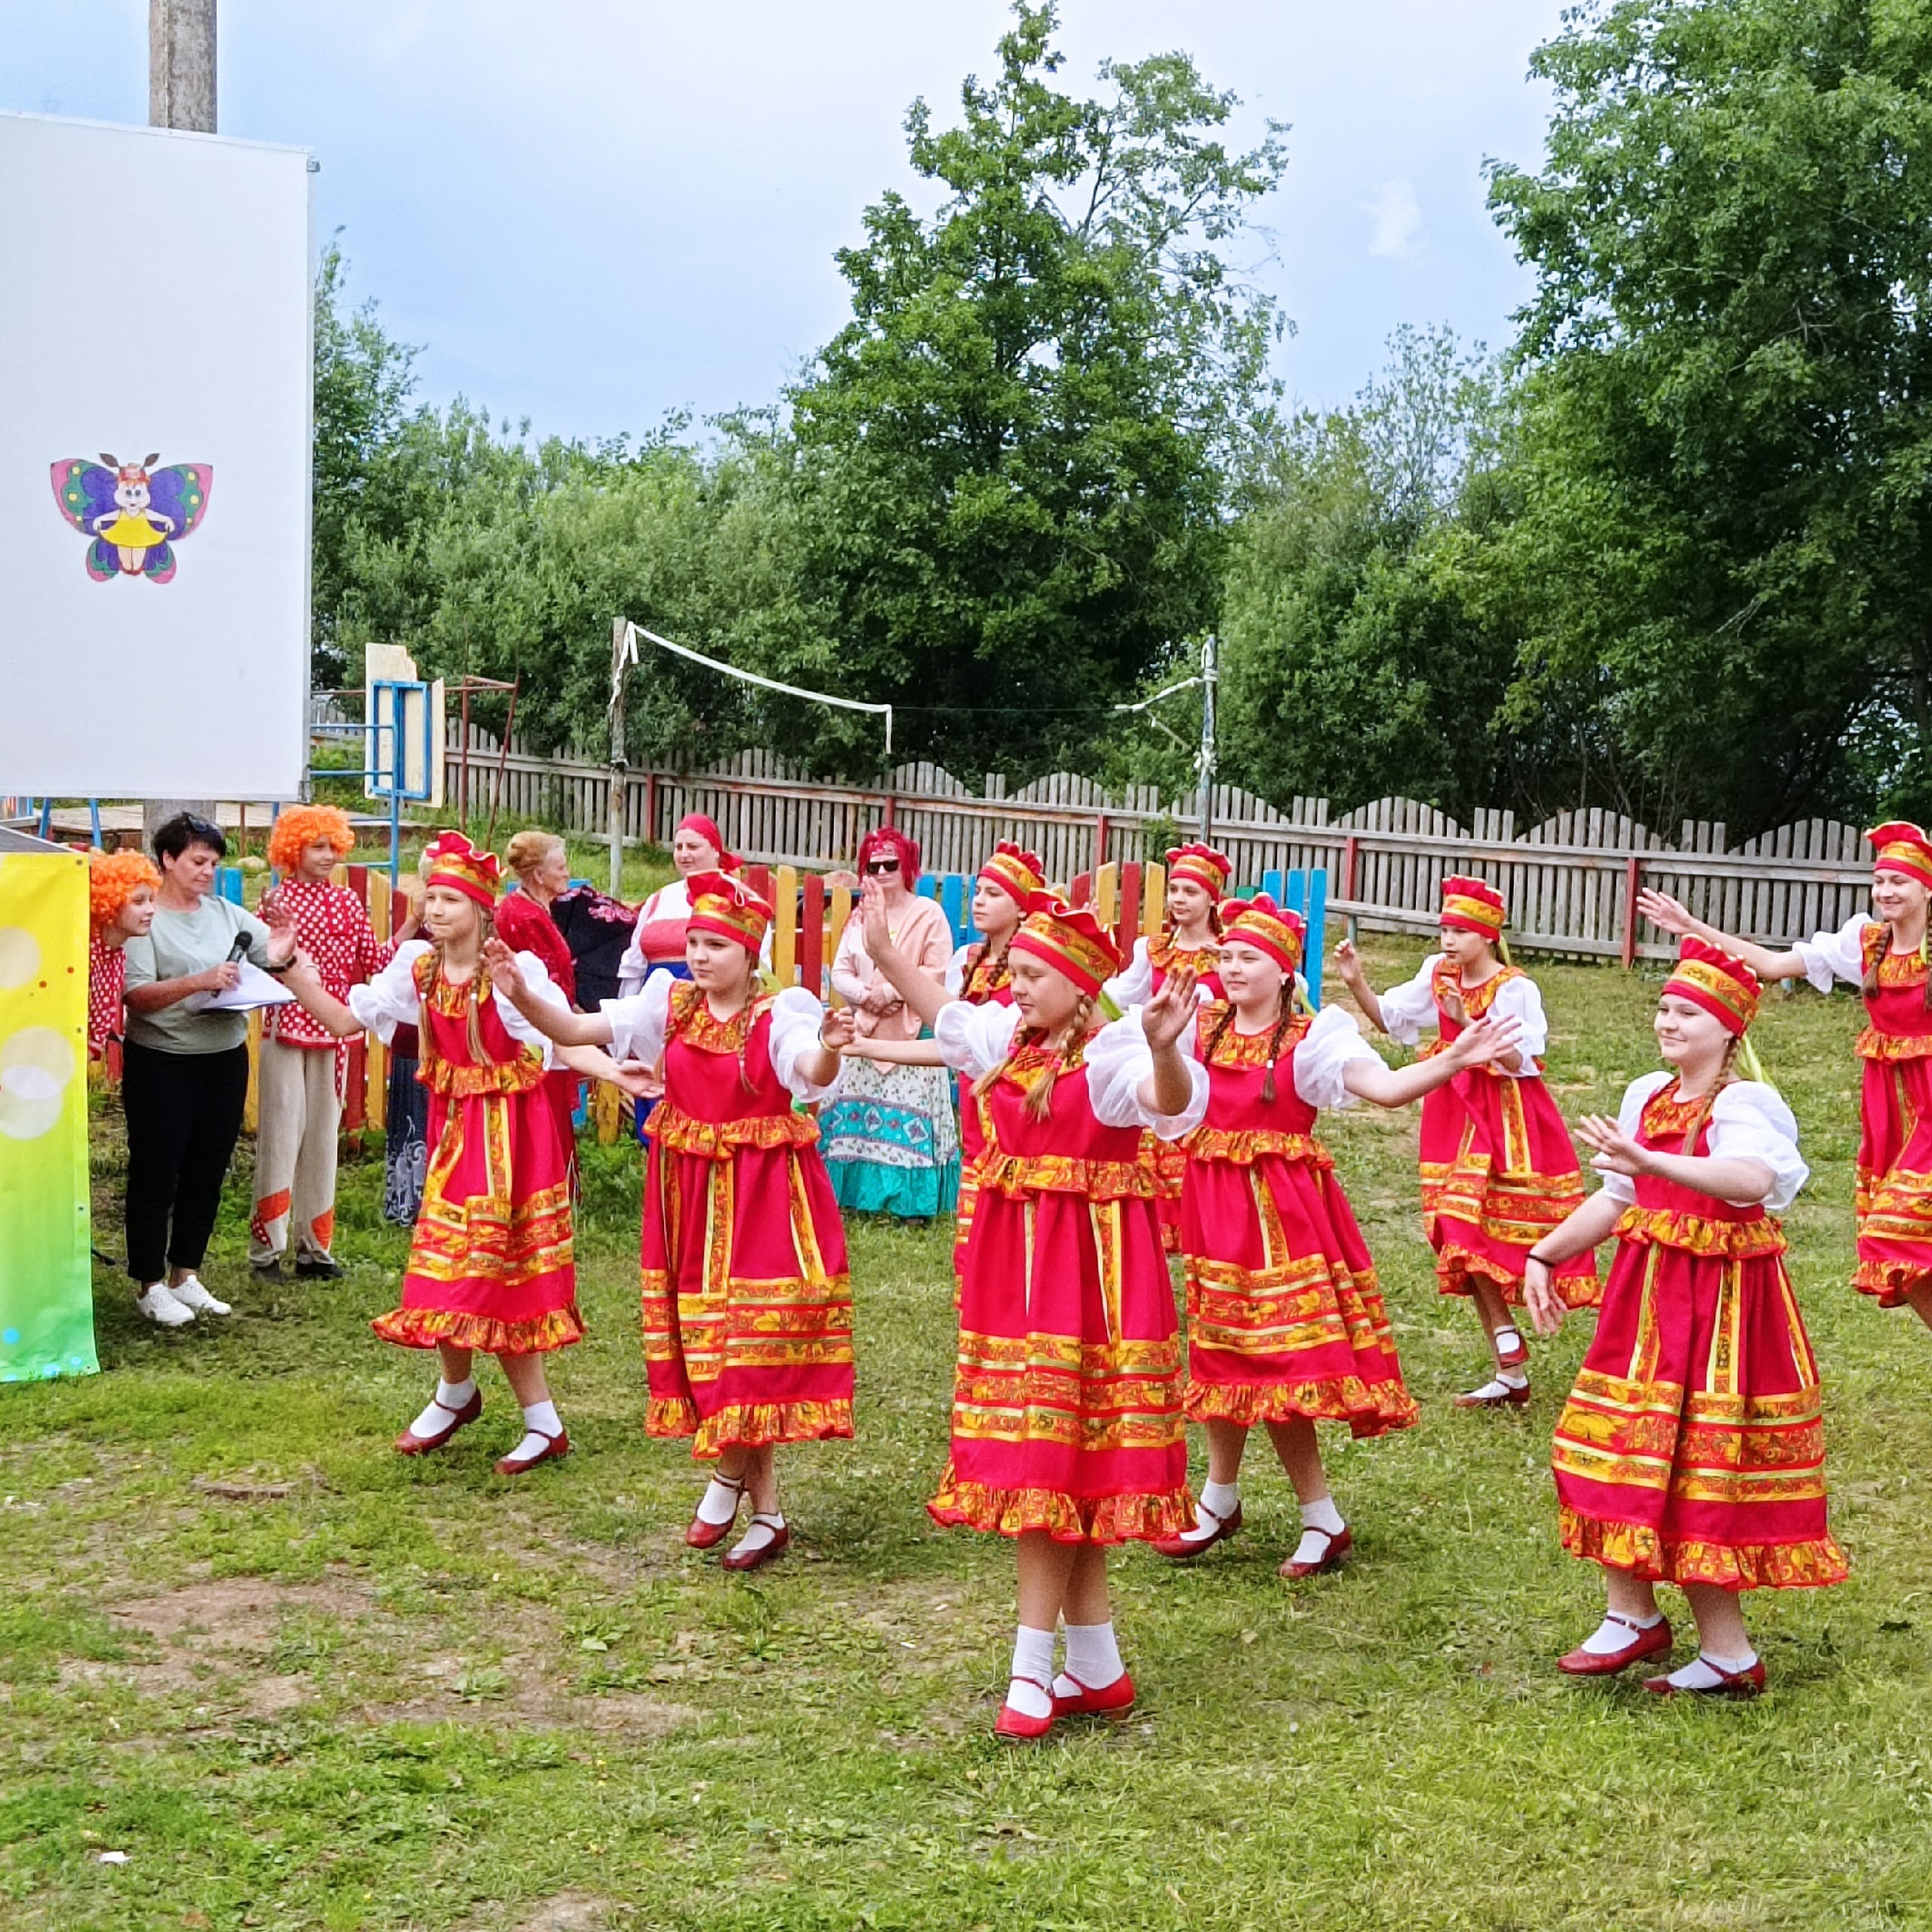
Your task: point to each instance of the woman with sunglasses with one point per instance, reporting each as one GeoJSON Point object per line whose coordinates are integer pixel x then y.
{"type": "Point", "coordinates": [890, 1142]}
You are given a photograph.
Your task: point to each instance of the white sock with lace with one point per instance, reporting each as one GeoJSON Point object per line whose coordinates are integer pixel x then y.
{"type": "Point", "coordinates": [721, 1500]}
{"type": "Point", "coordinates": [1320, 1523]}
{"type": "Point", "coordinates": [1618, 1631]}
{"type": "Point", "coordinates": [762, 1531]}
{"type": "Point", "coordinates": [540, 1422]}
{"type": "Point", "coordinates": [1702, 1671]}
{"type": "Point", "coordinates": [1499, 1384]}
{"type": "Point", "coordinates": [1093, 1659]}
{"type": "Point", "coordinates": [1216, 1502]}
{"type": "Point", "coordinates": [1028, 1692]}
{"type": "Point", "coordinates": [450, 1397]}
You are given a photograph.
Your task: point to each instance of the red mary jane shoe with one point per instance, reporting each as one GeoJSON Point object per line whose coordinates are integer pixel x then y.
{"type": "Point", "coordinates": [1114, 1701]}
{"type": "Point", "coordinates": [1013, 1726]}
{"type": "Point", "coordinates": [1516, 1355]}
{"type": "Point", "coordinates": [1339, 1543]}
{"type": "Point", "coordinates": [1746, 1683]}
{"type": "Point", "coordinates": [1186, 1549]}
{"type": "Point", "coordinates": [410, 1444]}
{"type": "Point", "coordinates": [1606, 1663]}
{"type": "Point", "coordinates": [554, 1446]}
{"type": "Point", "coordinates": [1506, 1396]}
{"type": "Point", "coordinates": [701, 1535]}
{"type": "Point", "coordinates": [766, 1552]}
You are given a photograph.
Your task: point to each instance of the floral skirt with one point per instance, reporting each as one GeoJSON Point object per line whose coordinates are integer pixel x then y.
{"type": "Point", "coordinates": [889, 1141]}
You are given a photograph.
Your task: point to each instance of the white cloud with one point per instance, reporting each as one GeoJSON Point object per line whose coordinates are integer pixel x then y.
{"type": "Point", "coordinates": [1398, 222]}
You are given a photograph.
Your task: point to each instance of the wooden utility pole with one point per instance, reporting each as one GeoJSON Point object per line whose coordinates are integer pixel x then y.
{"type": "Point", "coordinates": [1210, 671]}
{"type": "Point", "coordinates": [180, 94]}
{"type": "Point", "coordinates": [623, 654]}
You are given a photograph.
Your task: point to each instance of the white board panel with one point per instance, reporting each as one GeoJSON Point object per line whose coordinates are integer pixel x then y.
{"type": "Point", "coordinates": [157, 306]}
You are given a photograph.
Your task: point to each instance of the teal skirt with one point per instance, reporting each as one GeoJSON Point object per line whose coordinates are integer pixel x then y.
{"type": "Point", "coordinates": [891, 1142]}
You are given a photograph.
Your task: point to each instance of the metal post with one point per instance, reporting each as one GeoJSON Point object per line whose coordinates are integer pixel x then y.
{"type": "Point", "coordinates": [622, 649]}
{"type": "Point", "coordinates": [1209, 652]}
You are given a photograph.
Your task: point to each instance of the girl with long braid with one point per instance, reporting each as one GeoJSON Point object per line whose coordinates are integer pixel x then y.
{"type": "Point", "coordinates": [1887, 958]}
{"type": "Point", "coordinates": [1286, 1326]}
{"type": "Point", "coordinates": [1498, 1168]}
{"type": "Point", "coordinates": [1691, 1450]}
{"type": "Point", "coordinates": [747, 1308]}
{"type": "Point", "coordinates": [1066, 1424]}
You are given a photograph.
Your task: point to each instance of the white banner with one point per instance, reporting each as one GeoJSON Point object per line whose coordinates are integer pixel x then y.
{"type": "Point", "coordinates": [155, 378]}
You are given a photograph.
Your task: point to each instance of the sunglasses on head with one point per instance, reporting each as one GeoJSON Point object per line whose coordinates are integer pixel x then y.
{"type": "Point", "coordinates": [881, 865]}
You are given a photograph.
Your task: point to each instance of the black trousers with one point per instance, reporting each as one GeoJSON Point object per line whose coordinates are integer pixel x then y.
{"type": "Point", "coordinates": [184, 1115]}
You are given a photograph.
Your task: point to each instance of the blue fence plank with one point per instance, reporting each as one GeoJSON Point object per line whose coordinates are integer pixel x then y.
{"type": "Point", "coordinates": [228, 884]}
{"type": "Point", "coordinates": [954, 898]}
{"type": "Point", "coordinates": [1317, 917]}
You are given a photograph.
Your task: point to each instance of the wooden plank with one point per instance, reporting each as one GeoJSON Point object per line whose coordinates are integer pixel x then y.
{"type": "Point", "coordinates": [785, 926]}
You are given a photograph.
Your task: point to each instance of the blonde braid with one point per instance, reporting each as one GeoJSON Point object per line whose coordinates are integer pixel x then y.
{"type": "Point", "coordinates": [1287, 999]}
{"type": "Point", "coordinates": [1039, 1101]}
{"type": "Point", "coordinates": [1724, 1079]}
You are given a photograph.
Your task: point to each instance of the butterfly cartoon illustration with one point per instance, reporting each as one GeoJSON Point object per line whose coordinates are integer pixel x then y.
{"type": "Point", "coordinates": [135, 513]}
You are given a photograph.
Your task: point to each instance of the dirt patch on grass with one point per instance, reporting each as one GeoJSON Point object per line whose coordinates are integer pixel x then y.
{"type": "Point", "coordinates": [573, 1912]}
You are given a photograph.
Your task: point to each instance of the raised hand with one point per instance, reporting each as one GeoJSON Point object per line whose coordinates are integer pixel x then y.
{"type": "Point", "coordinates": [499, 962]}
{"type": "Point", "coordinates": [1348, 962]}
{"type": "Point", "coordinates": [1168, 1015]}
{"type": "Point", "coordinates": [1612, 1151]}
{"type": "Point", "coordinates": [837, 1029]}
{"type": "Point", "coordinates": [1487, 1040]}
{"type": "Point", "coordinates": [1672, 915]}
{"type": "Point", "coordinates": [873, 923]}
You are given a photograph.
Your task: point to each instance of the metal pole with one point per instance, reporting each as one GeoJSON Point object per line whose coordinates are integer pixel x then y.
{"type": "Point", "coordinates": [1210, 654]}
{"type": "Point", "coordinates": [621, 649]}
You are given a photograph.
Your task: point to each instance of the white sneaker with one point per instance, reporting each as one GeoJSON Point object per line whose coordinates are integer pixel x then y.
{"type": "Point", "coordinates": [193, 1297]}
{"type": "Point", "coordinates": [159, 1305]}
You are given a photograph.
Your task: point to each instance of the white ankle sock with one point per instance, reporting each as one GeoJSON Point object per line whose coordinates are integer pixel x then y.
{"type": "Point", "coordinates": [540, 1422]}
{"type": "Point", "coordinates": [1618, 1631]}
{"type": "Point", "coordinates": [1498, 1384]}
{"type": "Point", "coordinates": [762, 1531]}
{"type": "Point", "coordinates": [1093, 1659]}
{"type": "Point", "coordinates": [721, 1501]}
{"type": "Point", "coordinates": [1217, 1500]}
{"type": "Point", "coordinates": [1702, 1671]}
{"type": "Point", "coordinates": [1323, 1516]}
{"type": "Point", "coordinates": [1032, 1673]}
{"type": "Point", "coordinates": [450, 1397]}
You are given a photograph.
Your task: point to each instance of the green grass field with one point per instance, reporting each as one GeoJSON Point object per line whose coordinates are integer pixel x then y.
{"type": "Point", "coordinates": [301, 1683]}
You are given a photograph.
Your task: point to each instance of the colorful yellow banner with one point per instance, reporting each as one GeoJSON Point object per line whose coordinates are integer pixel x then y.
{"type": "Point", "coordinates": [46, 1272]}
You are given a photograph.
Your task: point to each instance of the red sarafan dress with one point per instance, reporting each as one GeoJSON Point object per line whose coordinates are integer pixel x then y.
{"type": "Point", "coordinates": [524, 926]}
{"type": "Point", "coordinates": [1143, 975]}
{"type": "Point", "coordinates": [1284, 1315]}
{"type": "Point", "coordinates": [1498, 1170]}
{"type": "Point", "coordinates": [1691, 1449]}
{"type": "Point", "coordinates": [979, 981]}
{"type": "Point", "coordinates": [490, 1263]}
{"type": "Point", "coordinates": [1066, 1411]}
{"type": "Point", "coordinates": [1894, 1197]}
{"type": "Point", "coordinates": [747, 1307]}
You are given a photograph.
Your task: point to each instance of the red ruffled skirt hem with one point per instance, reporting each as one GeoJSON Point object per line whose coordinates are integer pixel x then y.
{"type": "Point", "coordinates": [1455, 1263]}
{"type": "Point", "coordinates": [1643, 1553]}
{"type": "Point", "coordinates": [1369, 1409]}
{"type": "Point", "coordinates": [1890, 1283]}
{"type": "Point", "coordinates": [747, 1425]}
{"type": "Point", "coordinates": [1077, 1519]}
{"type": "Point", "coordinates": [431, 1327]}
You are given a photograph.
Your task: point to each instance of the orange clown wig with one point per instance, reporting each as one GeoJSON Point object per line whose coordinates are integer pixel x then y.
{"type": "Point", "coordinates": [300, 826]}
{"type": "Point", "coordinates": [113, 878]}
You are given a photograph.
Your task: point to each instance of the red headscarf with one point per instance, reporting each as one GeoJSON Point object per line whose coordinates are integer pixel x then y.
{"type": "Point", "coordinates": [706, 829]}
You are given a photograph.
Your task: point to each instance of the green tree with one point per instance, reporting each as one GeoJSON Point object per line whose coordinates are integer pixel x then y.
{"type": "Point", "coordinates": [1010, 458]}
{"type": "Point", "coordinates": [1720, 551]}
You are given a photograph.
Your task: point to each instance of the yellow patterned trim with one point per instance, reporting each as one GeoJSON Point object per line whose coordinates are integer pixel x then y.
{"type": "Point", "coordinates": [494, 1077]}
{"type": "Point", "coordinates": [1245, 1145]}
{"type": "Point", "coordinates": [759, 1424]}
{"type": "Point", "coordinates": [1018, 1175]}
{"type": "Point", "coordinates": [1698, 1234]}
{"type": "Point", "coordinates": [1810, 1564]}
{"type": "Point", "coordinates": [1368, 1408]}
{"type": "Point", "coordinates": [679, 1132]}
{"type": "Point", "coordinates": [693, 1022]}
{"type": "Point", "coordinates": [427, 1328]}
{"type": "Point", "coordinates": [1099, 1519]}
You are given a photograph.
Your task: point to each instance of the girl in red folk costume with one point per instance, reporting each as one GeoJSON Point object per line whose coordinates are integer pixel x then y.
{"type": "Point", "coordinates": [1498, 1168]}
{"type": "Point", "coordinates": [747, 1310]}
{"type": "Point", "coordinates": [121, 899]}
{"type": "Point", "coordinates": [1286, 1326]}
{"type": "Point", "coordinates": [541, 862]}
{"type": "Point", "coordinates": [490, 1263]}
{"type": "Point", "coordinates": [1887, 959]}
{"type": "Point", "coordinates": [1067, 1425]}
{"type": "Point", "coordinates": [1690, 1451]}
{"type": "Point", "coordinates": [1197, 879]}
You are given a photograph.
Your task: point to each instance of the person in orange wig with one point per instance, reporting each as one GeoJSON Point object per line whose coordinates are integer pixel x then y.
{"type": "Point", "coordinates": [121, 890]}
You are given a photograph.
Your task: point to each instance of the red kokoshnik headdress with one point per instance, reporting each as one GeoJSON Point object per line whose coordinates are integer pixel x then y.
{"type": "Point", "coordinates": [1015, 871]}
{"type": "Point", "coordinates": [1724, 987]}
{"type": "Point", "coordinates": [729, 907]}
{"type": "Point", "coordinates": [1206, 867]}
{"type": "Point", "coordinates": [1473, 905]}
{"type": "Point", "coordinates": [1262, 924]}
{"type": "Point", "coordinates": [1073, 942]}
{"type": "Point", "coordinates": [1902, 847]}
{"type": "Point", "coordinates": [463, 868]}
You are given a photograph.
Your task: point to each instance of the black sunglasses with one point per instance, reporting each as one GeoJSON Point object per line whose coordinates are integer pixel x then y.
{"type": "Point", "coordinates": [881, 865]}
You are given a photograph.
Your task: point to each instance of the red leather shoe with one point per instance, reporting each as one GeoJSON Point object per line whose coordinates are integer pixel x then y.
{"type": "Point", "coordinates": [409, 1443]}
{"type": "Point", "coordinates": [1013, 1726]}
{"type": "Point", "coordinates": [554, 1446]}
{"type": "Point", "coordinates": [1746, 1683]}
{"type": "Point", "coordinates": [1509, 1397]}
{"type": "Point", "coordinates": [701, 1535]}
{"type": "Point", "coordinates": [1114, 1701]}
{"type": "Point", "coordinates": [1517, 1355]}
{"type": "Point", "coordinates": [767, 1552]}
{"type": "Point", "coordinates": [1186, 1549]}
{"type": "Point", "coordinates": [1606, 1663]}
{"type": "Point", "coordinates": [1339, 1544]}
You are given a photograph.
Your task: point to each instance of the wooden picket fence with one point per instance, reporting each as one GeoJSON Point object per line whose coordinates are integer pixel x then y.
{"type": "Point", "coordinates": [1571, 882]}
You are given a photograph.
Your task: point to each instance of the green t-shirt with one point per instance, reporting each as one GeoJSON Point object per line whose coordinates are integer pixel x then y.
{"type": "Point", "coordinates": [182, 943]}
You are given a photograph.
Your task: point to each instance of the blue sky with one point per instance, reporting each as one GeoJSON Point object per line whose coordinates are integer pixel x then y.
{"type": "Point", "coordinates": [590, 212]}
